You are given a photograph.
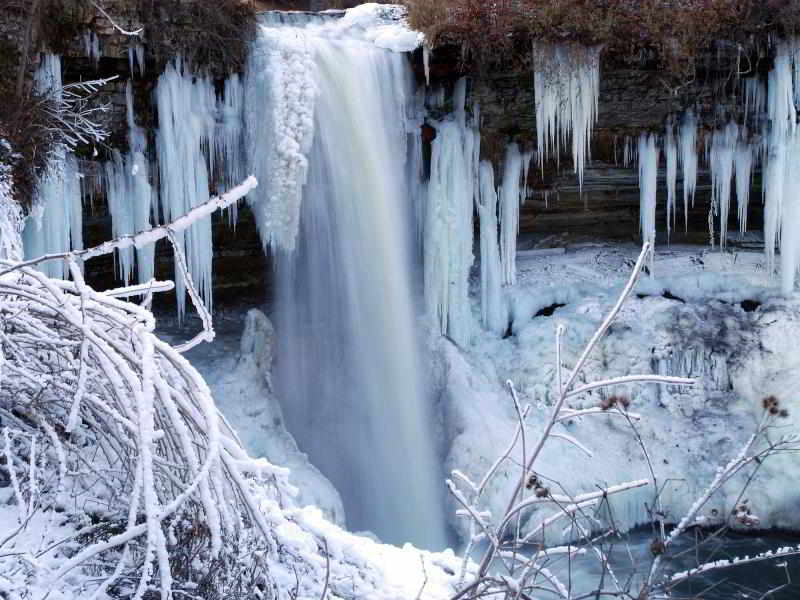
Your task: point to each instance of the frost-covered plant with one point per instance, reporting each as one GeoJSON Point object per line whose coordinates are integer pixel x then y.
{"type": "Point", "coordinates": [515, 565]}
{"type": "Point", "coordinates": [103, 422]}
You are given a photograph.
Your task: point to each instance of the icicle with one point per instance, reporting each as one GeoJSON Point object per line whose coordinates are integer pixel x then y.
{"type": "Point", "coordinates": [279, 129]}
{"type": "Point", "coordinates": [755, 97]}
{"type": "Point", "coordinates": [448, 230]}
{"type": "Point", "coordinates": [743, 166]}
{"type": "Point", "coordinates": [136, 56]}
{"type": "Point", "coordinates": [778, 173]}
{"type": "Point", "coordinates": [186, 110]}
{"type": "Point", "coordinates": [55, 222]}
{"type": "Point", "coordinates": [688, 156]}
{"type": "Point", "coordinates": [566, 89]}
{"type": "Point", "coordinates": [493, 312]}
{"type": "Point", "coordinates": [91, 45]}
{"type": "Point", "coordinates": [229, 139]}
{"type": "Point", "coordinates": [426, 61]}
{"type": "Point", "coordinates": [648, 181]}
{"type": "Point", "coordinates": [723, 147]}
{"type": "Point", "coordinates": [510, 197]}
{"type": "Point", "coordinates": [671, 152]}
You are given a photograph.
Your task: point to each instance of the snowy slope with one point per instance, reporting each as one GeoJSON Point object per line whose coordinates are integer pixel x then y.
{"type": "Point", "coordinates": [697, 317]}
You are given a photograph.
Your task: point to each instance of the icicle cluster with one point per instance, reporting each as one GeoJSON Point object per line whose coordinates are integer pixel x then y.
{"type": "Point", "coordinates": [130, 197]}
{"type": "Point", "coordinates": [56, 220]}
{"type": "Point", "coordinates": [189, 141]}
{"type": "Point", "coordinates": [448, 222]}
{"type": "Point", "coordinates": [566, 87]}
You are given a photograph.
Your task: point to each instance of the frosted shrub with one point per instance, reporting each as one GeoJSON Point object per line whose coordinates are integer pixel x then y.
{"type": "Point", "coordinates": [112, 429]}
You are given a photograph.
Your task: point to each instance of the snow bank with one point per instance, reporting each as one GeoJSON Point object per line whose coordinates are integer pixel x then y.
{"type": "Point", "coordinates": [709, 316]}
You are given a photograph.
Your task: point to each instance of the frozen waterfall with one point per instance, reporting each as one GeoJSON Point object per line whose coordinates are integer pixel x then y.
{"type": "Point", "coordinates": [349, 374]}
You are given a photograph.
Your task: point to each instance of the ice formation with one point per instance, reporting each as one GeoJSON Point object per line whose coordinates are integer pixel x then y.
{"type": "Point", "coordinates": [91, 45]}
{"type": "Point", "coordinates": [743, 167]}
{"type": "Point", "coordinates": [566, 85]}
{"type": "Point", "coordinates": [671, 154]}
{"type": "Point", "coordinates": [721, 158]}
{"type": "Point", "coordinates": [494, 315]}
{"type": "Point", "coordinates": [688, 159]}
{"type": "Point", "coordinates": [279, 117]}
{"type": "Point", "coordinates": [512, 194]}
{"type": "Point", "coordinates": [781, 174]}
{"type": "Point", "coordinates": [448, 223]}
{"type": "Point", "coordinates": [136, 56]}
{"type": "Point", "coordinates": [129, 196]}
{"type": "Point", "coordinates": [186, 110]}
{"type": "Point", "coordinates": [350, 379]}
{"type": "Point", "coordinates": [56, 220]}
{"type": "Point", "coordinates": [648, 182]}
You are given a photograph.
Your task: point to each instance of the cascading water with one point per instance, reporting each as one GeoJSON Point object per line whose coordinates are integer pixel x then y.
{"type": "Point", "coordinates": [349, 371]}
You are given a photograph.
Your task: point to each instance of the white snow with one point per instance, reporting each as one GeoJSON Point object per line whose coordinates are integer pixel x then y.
{"type": "Point", "coordinates": [738, 356]}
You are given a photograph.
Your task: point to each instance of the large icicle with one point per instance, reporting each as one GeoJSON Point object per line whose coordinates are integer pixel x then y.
{"type": "Point", "coordinates": [510, 200]}
{"type": "Point", "coordinates": [688, 156]}
{"type": "Point", "coordinates": [566, 83]}
{"type": "Point", "coordinates": [790, 215]}
{"type": "Point", "coordinates": [186, 113]}
{"type": "Point", "coordinates": [493, 311]}
{"type": "Point", "coordinates": [648, 181]}
{"type": "Point", "coordinates": [721, 158]}
{"type": "Point", "coordinates": [448, 230]}
{"type": "Point", "coordinates": [56, 220]}
{"type": "Point", "coordinates": [782, 119]}
{"type": "Point", "coordinates": [743, 167]}
{"type": "Point", "coordinates": [671, 153]}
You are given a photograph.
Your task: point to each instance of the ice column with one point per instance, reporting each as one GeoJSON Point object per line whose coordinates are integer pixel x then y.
{"type": "Point", "coordinates": [721, 158]}
{"type": "Point", "coordinates": [510, 200]}
{"type": "Point", "coordinates": [688, 159]}
{"type": "Point", "coordinates": [493, 311]}
{"type": "Point", "coordinates": [648, 180]}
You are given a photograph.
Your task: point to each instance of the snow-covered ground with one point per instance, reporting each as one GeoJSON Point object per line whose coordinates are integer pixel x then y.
{"type": "Point", "coordinates": [705, 315]}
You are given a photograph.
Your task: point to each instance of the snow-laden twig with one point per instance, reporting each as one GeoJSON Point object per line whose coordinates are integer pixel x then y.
{"type": "Point", "coordinates": [114, 24]}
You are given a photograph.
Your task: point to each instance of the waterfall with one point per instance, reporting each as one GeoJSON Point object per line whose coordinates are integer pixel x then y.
{"type": "Point", "coordinates": [349, 372]}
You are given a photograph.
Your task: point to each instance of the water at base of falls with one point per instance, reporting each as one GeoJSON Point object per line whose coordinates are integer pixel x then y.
{"type": "Point", "coordinates": [349, 370]}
